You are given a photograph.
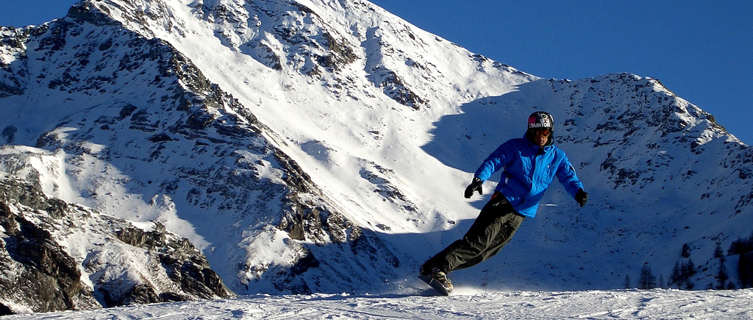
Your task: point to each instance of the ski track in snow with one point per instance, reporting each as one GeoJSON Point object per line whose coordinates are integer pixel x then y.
{"type": "Point", "coordinates": [465, 303]}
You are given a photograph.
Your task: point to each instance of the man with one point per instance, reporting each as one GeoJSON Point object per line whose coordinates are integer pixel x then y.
{"type": "Point", "coordinates": [530, 165]}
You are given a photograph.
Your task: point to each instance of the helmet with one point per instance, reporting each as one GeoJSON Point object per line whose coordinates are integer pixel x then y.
{"type": "Point", "coordinates": [540, 119]}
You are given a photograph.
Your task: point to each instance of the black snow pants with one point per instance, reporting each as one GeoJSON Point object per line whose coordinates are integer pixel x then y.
{"type": "Point", "coordinates": [492, 230]}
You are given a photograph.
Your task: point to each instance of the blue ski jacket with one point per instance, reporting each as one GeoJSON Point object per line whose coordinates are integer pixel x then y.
{"type": "Point", "coordinates": [529, 169]}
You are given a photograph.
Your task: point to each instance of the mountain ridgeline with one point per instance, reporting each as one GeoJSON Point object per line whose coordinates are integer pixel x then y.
{"type": "Point", "coordinates": [162, 150]}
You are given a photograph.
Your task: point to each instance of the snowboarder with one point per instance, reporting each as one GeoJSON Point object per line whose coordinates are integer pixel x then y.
{"type": "Point", "coordinates": [530, 164]}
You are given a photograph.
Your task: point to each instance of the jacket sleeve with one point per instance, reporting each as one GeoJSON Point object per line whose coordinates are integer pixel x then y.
{"type": "Point", "coordinates": [494, 162]}
{"type": "Point", "coordinates": [568, 178]}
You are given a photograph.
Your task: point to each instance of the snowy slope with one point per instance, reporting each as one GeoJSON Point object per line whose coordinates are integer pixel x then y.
{"type": "Point", "coordinates": [467, 304]}
{"type": "Point", "coordinates": [323, 146]}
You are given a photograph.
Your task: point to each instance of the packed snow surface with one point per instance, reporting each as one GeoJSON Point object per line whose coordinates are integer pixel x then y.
{"type": "Point", "coordinates": [465, 303]}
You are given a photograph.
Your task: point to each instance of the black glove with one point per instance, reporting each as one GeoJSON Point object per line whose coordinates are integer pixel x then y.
{"type": "Point", "coordinates": [581, 197]}
{"type": "Point", "coordinates": [474, 186]}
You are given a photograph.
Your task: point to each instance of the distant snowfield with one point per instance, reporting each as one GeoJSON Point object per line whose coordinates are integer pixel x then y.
{"type": "Point", "coordinates": [464, 304]}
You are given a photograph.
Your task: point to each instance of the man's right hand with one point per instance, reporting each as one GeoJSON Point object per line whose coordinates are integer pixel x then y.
{"type": "Point", "coordinates": [581, 197]}
{"type": "Point", "coordinates": [474, 186]}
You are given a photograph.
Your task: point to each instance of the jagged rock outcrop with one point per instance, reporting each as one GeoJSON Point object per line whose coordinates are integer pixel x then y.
{"type": "Point", "coordinates": [59, 256]}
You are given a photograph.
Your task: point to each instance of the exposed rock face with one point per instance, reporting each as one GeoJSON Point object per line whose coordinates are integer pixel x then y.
{"type": "Point", "coordinates": [60, 256]}
{"type": "Point", "coordinates": [37, 272]}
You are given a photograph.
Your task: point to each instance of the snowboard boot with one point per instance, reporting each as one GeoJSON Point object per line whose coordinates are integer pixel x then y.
{"type": "Point", "coordinates": [438, 280]}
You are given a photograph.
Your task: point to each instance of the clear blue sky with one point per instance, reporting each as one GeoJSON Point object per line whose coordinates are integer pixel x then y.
{"type": "Point", "coordinates": [701, 50]}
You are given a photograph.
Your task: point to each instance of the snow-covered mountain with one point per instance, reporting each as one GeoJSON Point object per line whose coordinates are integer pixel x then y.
{"type": "Point", "coordinates": [323, 146]}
